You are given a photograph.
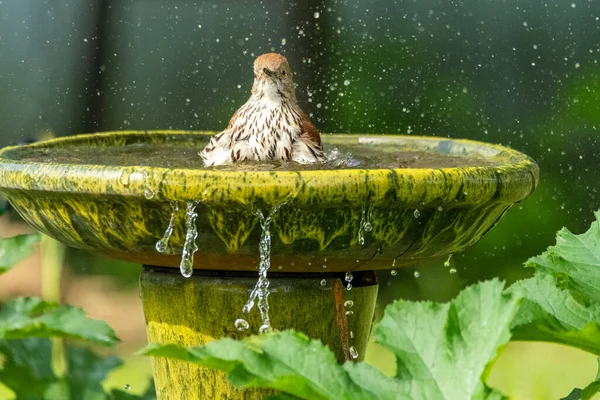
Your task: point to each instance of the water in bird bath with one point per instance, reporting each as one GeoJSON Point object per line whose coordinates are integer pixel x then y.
{"type": "Point", "coordinates": [181, 151]}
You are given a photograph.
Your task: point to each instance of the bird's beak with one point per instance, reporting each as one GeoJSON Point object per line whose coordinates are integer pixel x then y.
{"type": "Point", "coordinates": [268, 72]}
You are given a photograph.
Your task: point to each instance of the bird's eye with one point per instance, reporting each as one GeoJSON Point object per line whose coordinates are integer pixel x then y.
{"type": "Point", "coordinates": [283, 73]}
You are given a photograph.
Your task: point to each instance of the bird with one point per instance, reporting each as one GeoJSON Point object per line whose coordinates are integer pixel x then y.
{"type": "Point", "coordinates": [270, 125]}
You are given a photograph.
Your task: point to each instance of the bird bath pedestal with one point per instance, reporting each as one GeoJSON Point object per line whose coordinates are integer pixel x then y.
{"type": "Point", "coordinates": [404, 201]}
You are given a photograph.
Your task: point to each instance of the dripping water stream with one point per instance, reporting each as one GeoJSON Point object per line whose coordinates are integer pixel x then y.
{"type": "Point", "coordinates": [162, 246]}
{"type": "Point", "coordinates": [260, 293]}
{"type": "Point", "coordinates": [190, 247]}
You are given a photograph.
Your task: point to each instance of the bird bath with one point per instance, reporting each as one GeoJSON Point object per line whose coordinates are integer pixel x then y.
{"type": "Point", "coordinates": [400, 200]}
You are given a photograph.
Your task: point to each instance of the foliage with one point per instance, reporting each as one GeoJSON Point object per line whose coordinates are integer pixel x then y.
{"type": "Point", "coordinates": [26, 326]}
{"type": "Point", "coordinates": [562, 300]}
{"type": "Point", "coordinates": [25, 317]}
{"type": "Point", "coordinates": [442, 350]}
{"type": "Point", "coordinates": [27, 371]}
{"type": "Point", "coordinates": [15, 249]}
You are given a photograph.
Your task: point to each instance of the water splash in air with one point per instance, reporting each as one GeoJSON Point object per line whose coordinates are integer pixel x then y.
{"type": "Point", "coordinates": [348, 278]}
{"type": "Point", "coordinates": [260, 293]}
{"type": "Point", "coordinates": [162, 246]}
{"type": "Point", "coordinates": [189, 247]}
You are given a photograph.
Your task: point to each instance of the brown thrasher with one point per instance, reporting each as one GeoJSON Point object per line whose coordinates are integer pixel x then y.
{"type": "Point", "coordinates": [270, 125]}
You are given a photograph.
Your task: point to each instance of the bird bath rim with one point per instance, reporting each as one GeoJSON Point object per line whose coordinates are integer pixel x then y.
{"type": "Point", "coordinates": [521, 169]}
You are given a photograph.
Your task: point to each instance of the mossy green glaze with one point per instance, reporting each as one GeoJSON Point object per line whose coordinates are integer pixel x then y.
{"type": "Point", "coordinates": [103, 208]}
{"type": "Point", "coordinates": [198, 310]}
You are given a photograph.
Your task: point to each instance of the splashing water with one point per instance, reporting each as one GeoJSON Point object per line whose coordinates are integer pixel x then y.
{"type": "Point", "coordinates": [348, 278]}
{"type": "Point", "coordinates": [189, 247]}
{"type": "Point", "coordinates": [261, 290]}
{"type": "Point", "coordinates": [162, 246]}
{"type": "Point", "coordinates": [365, 223]}
{"type": "Point", "coordinates": [447, 262]}
{"type": "Point", "coordinates": [241, 324]}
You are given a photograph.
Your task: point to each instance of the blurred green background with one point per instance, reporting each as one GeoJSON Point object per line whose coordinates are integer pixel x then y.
{"type": "Point", "coordinates": [520, 73]}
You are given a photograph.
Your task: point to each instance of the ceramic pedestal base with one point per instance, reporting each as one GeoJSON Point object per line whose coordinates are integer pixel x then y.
{"type": "Point", "coordinates": [194, 311]}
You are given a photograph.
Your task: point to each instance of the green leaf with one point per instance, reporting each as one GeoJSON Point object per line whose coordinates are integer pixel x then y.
{"type": "Point", "coordinates": [27, 367]}
{"type": "Point", "coordinates": [562, 299]}
{"type": "Point", "coordinates": [27, 371]}
{"type": "Point", "coordinates": [16, 249]}
{"type": "Point", "coordinates": [31, 317]}
{"type": "Point", "coordinates": [442, 350]}
{"type": "Point", "coordinates": [574, 262]}
{"type": "Point", "coordinates": [286, 361]}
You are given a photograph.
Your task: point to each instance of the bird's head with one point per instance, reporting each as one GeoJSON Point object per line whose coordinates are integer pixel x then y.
{"type": "Point", "coordinates": [273, 76]}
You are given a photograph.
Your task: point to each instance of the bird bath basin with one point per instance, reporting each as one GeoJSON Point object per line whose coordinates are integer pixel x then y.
{"type": "Point", "coordinates": [380, 201]}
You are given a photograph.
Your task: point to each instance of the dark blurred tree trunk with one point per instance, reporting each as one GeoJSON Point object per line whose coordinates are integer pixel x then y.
{"type": "Point", "coordinates": [96, 83]}
{"type": "Point", "coordinates": [309, 40]}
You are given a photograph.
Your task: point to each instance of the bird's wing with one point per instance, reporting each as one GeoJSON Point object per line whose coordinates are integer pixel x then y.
{"type": "Point", "coordinates": [308, 130]}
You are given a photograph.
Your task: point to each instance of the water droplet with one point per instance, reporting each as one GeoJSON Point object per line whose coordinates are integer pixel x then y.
{"type": "Point", "coordinates": [348, 304]}
{"type": "Point", "coordinates": [417, 213]}
{"type": "Point", "coordinates": [351, 334]}
{"type": "Point", "coordinates": [447, 262]}
{"type": "Point", "coordinates": [353, 352]}
{"type": "Point", "coordinates": [348, 277]}
{"type": "Point", "coordinates": [349, 286]}
{"type": "Point", "coordinates": [349, 312]}
{"type": "Point", "coordinates": [149, 193]}
{"type": "Point", "coordinates": [125, 178]}
{"type": "Point", "coordinates": [417, 274]}
{"type": "Point", "coordinates": [127, 386]}
{"type": "Point", "coordinates": [241, 324]}
{"type": "Point", "coordinates": [161, 246]}
{"type": "Point", "coordinates": [368, 227]}
{"type": "Point", "coordinates": [452, 270]}
{"type": "Point", "coordinates": [323, 282]}
{"type": "Point", "coordinates": [316, 15]}
{"type": "Point", "coordinates": [346, 82]}
{"type": "Point", "coordinates": [440, 208]}
{"type": "Point", "coordinates": [247, 307]}
{"type": "Point", "coordinates": [265, 328]}
{"type": "Point", "coordinates": [394, 272]}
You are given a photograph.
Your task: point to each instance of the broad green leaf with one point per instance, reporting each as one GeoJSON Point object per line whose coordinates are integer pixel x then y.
{"type": "Point", "coordinates": [285, 361]}
{"type": "Point", "coordinates": [562, 299]}
{"type": "Point", "coordinates": [15, 249]}
{"type": "Point", "coordinates": [574, 262]}
{"type": "Point", "coordinates": [27, 367]}
{"type": "Point", "coordinates": [27, 371]}
{"type": "Point", "coordinates": [442, 350]}
{"type": "Point", "coordinates": [31, 317]}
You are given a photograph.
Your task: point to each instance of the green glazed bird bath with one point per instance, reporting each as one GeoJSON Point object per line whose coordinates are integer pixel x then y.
{"type": "Point", "coordinates": [379, 201]}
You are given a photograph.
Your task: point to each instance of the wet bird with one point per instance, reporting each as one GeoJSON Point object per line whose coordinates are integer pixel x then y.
{"type": "Point", "coordinates": [270, 125]}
